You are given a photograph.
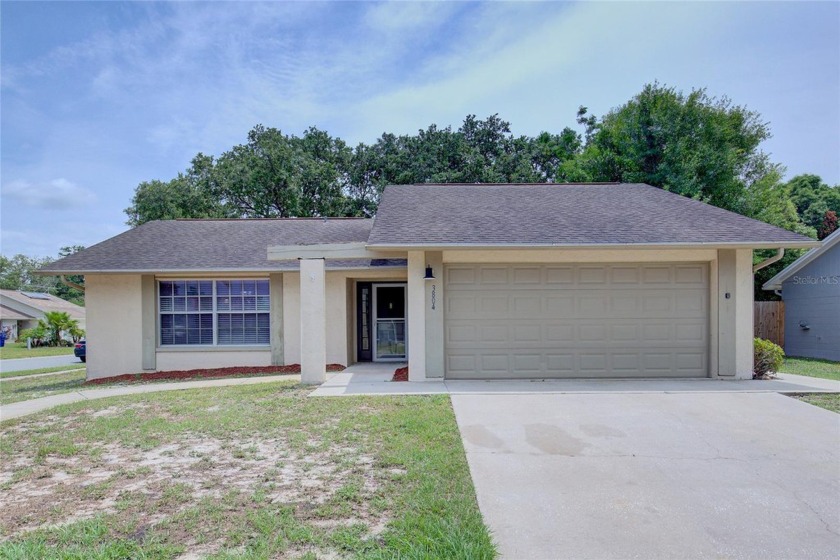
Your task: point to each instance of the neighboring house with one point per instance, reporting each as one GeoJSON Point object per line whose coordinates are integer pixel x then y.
{"type": "Point", "coordinates": [22, 310]}
{"type": "Point", "coordinates": [461, 281]}
{"type": "Point", "coordinates": [810, 288]}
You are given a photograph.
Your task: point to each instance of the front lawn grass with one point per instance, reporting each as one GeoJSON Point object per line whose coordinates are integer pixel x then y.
{"type": "Point", "coordinates": [5, 374]}
{"type": "Point", "coordinates": [37, 387]}
{"type": "Point", "coordinates": [25, 389]}
{"type": "Point", "coordinates": [15, 350]}
{"type": "Point", "coordinates": [828, 401]}
{"type": "Point", "coordinates": [256, 471]}
{"type": "Point", "coordinates": [812, 368]}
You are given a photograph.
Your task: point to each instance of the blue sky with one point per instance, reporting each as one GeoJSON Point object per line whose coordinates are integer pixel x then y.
{"type": "Point", "coordinates": [97, 97]}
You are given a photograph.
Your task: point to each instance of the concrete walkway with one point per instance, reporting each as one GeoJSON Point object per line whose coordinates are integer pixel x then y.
{"type": "Point", "coordinates": [375, 379]}
{"type": "Point", "coordinates": [24, 364]}
{"type": "Point", "coordinates": [25, 408]}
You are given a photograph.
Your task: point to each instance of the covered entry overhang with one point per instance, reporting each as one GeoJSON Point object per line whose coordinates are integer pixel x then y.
{"type": "Point", "coordinates": [313, 264]}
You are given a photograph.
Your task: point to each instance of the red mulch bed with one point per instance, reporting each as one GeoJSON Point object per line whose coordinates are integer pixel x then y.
{"type": "Point", "coordinates": [204, 373]}
{"type": "Point", "coordinates": [401, 374]}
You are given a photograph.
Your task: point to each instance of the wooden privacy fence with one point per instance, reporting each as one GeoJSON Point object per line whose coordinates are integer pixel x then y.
{"type": "Point", "coordinates": [769, 321]}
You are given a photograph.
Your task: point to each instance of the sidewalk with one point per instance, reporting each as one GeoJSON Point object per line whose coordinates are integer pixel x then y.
{"type": "Point", "coordinates": [25, 408]}
{"type": "Point", "coordinates": [368, 380]}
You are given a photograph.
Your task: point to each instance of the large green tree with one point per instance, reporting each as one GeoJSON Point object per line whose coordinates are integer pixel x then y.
{"type": "Point", "coordinates": [694, 145]}
{"type": "Point", "coordinates": [275, 175]}
{"type": "Point", "coordinates": [189, 195]}
{"type": "Point", "coordinates": [18, 273]}
{"type": "Point", "coordinates": [813, 200]}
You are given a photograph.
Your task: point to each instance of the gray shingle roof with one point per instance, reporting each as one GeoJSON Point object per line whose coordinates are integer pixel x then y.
{"type": "Point", "coordinates": [45, 303]}
{"type": "Point", "coordinates": [216, 245]}
{"type": "Point", "coordinates": [574, 214]}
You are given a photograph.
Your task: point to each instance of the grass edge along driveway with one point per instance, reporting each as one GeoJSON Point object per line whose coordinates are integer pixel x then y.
{"type": "Point", "coordinates": [248, 472]}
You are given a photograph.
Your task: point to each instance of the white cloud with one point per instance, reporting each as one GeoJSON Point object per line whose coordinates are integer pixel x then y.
{"type": "Point", "coordinates": [58, 194]}
{"type": "Point", "coordinates": [408, 16]}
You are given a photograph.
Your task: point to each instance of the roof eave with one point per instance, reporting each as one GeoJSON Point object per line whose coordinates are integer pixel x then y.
{"type": "Point", "coordinates": [173, 271]}
{"type": "Point", "coordinates": [653, 246]}
{"type": "Point", "coordinates": [776, 282]}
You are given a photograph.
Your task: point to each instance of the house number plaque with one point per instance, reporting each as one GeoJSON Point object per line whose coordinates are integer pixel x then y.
{"type": "Point", "coordinates": [434, 295]}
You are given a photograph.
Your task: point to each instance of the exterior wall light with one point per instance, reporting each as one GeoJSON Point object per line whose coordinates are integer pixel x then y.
{"type": "Point", "coordinates": [429, 274]}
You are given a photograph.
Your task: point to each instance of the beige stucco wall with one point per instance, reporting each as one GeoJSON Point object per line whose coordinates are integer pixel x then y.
{"type": "Point", "coordinates": [734, 329]}
{"type": "Point", "coordinates": [174, 360]}
{"type": "Point", "coordinates": [114, 324]}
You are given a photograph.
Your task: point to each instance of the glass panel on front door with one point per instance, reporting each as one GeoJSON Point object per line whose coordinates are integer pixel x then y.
{"type": "Point", "coordinates": [389, 333]}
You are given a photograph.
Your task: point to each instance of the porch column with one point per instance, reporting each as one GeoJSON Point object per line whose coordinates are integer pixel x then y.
{"type": "Point", "coordinates": [416, 316]}
{"type": "Point", "coordinates": [276, 319]}
{"type": "Point", "coordinates": [735, 313]}
{"type": "Point", "coordinates": [313, 322]}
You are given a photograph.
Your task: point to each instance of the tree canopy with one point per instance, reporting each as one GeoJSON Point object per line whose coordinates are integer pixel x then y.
{"type": "Point", "coordinates": [18, 273]}
{"type": "Point", "coordinates": [692, 144]}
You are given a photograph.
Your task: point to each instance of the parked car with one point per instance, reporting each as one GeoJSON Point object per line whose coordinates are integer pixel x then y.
{"type": "Point", "coordinates": [80, 350]}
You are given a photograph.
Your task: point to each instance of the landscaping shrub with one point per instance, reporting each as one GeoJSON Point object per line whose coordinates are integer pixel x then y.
{"type": "Point", "coordinates": [767, 358]}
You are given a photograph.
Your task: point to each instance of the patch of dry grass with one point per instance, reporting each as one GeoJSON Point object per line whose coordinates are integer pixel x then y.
{"type": "Point", "coordinates": [254, 471]}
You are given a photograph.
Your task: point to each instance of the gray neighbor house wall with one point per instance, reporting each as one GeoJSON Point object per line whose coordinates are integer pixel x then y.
{"type": "Point", "coordinates": [812, 300]}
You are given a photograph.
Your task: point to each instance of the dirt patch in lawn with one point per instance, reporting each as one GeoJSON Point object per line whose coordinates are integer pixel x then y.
{"type": "Point", "coordinates": [159, 484]}
{"type": "Point", "coordinates": [205, 373]}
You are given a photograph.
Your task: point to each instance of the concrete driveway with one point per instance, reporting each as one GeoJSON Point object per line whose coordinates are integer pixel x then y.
{"type": "Point", "coordinates": [654, 475]}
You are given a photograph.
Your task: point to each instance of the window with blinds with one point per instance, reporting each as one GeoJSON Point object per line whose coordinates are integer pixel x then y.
{"type": "Point", "coordinates": [214, 312]}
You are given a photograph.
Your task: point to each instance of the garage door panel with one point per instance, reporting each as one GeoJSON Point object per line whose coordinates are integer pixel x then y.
{"type": "Point", "coordinates": [697, 274]}
{"type": "Point", "coordinates": [558, 276]}
{"type": "Point", "coordinates": [527, 305]}
{"type": "Point", "coordinates": [592, 275]}
{"type": "Point", "coordinates": [656, 275]}
{"type": "Point", "coordinates": [528, 334]}
{"type": "Point", "coordinates": [494, 275]}
{"type": "Point", "coordinates": [529, 276]}
{"type": "Point", "coordinates": [623, 320]}
{"type": "Point", "coordinates": [625, 275]}
{"type": "Point", "coordinates": [494, 334]}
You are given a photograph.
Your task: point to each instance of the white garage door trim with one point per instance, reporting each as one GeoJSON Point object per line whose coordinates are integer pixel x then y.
{"type": "Point", "coordinates": [576, 320]}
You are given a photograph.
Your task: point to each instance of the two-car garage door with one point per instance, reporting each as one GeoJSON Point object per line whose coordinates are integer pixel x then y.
{"type": "Point", "coordinates": [576, 320]}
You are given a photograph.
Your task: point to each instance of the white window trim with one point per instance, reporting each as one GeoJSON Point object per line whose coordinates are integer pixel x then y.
{"type": "Point", "coordinates": [216, 347]}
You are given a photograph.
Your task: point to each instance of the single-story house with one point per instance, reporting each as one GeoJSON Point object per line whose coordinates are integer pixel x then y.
{"type": "Point", "coordinates": [810, 288]}
{"type": "Point", "coordinates": [473, 281]}
{"type": "Point", "coordinates": [21, 310]}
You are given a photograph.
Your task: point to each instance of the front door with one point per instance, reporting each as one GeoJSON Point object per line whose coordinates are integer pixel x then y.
{"type": "Point", "coordinates": [389, 315]}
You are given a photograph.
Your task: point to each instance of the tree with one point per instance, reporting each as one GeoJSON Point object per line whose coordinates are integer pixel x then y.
{"type": "Point", "coordinates": [278, 176]}
{"type": "Point", "coordinates": [694, 145]}
{"type": "Point", "coordinates": [64, 291]}
{"type": "Point", "coordinates": [189, 195]}
{"type": "Point", "coordinates": [18, 273]}
{"type": "Point", "coordinates": [828, 226]}
{"type": "Point", "coordinates": [813, 198]}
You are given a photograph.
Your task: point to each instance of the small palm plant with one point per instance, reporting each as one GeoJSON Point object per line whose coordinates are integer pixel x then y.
{"type": "Point", "coordinates": [57, 322]}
